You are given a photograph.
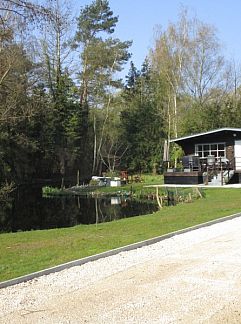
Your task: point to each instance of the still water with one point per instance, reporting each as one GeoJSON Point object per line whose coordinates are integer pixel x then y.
{"type": "Point", "coordinates": [30, 211]}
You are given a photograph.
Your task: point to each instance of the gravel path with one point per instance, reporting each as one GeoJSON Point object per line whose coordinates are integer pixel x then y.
{"type": "Point", "coordinates": [190, 278]}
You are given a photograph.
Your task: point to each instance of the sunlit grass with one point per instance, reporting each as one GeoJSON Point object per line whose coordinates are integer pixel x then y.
{"type": "Point", "coordinates": [25, 252]}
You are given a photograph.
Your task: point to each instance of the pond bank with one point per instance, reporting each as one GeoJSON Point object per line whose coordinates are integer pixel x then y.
{"type": "Point", "coordinates": [26, 252]}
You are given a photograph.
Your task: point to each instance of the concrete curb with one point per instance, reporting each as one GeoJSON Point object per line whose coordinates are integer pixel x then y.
{"type": "Point", "coordinates": [130, 247]}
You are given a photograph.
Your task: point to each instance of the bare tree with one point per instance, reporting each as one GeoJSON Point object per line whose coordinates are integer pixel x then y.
{"type": "Point", "coordinates": [169, 58]}
{"type": "Point", "coordinates": [28, 10]}
{"type": "Point", "coordinates": [205, 65]}
{"type": "Point", "coordinates": [187, 57]}
{"type": "Point", "coordinates": [54, 47]}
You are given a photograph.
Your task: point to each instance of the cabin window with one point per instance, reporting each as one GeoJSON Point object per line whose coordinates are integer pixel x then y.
{"type": "Point", "coordinates": [215, 149]}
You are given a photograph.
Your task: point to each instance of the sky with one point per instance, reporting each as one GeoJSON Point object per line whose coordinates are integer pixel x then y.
{"type": "Point", "coordinates": [138, 20]}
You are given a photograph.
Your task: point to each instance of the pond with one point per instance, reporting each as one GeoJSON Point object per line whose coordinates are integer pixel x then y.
{"type": "Point", "coordinates": [30, 211]}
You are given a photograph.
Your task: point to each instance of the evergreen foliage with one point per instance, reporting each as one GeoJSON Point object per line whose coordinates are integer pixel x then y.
{"type": "Point", "coordinates": [63, 109]}
{"type": "Point", "coordinates": [141, 121]}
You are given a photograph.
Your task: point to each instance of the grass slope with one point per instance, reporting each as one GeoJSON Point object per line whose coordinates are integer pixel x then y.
{"type": "Point", "coordinates": [25, 252]}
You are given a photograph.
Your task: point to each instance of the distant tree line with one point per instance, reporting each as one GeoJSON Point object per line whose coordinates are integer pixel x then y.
{"type": "Point", "coordinates": [63, 109]}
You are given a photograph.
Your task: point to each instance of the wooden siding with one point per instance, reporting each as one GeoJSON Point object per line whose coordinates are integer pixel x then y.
{"type": "Point", "coordinates": [227, 137]}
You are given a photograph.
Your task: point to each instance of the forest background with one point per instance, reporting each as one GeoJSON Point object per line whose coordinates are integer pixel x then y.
{"type": "Point", "coordinates": [63, 108]}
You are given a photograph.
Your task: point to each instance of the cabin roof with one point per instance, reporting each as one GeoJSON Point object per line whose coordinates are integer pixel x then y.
{"type": "Point", "coordinates": [176, 140]}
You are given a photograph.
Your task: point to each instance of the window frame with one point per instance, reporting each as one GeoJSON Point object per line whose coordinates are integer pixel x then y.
{"type": "Point", "coordinates": [210, 150]}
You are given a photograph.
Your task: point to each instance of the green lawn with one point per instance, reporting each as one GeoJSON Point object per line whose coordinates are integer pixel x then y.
{"type": "Point", "coordinates": [25, 252]}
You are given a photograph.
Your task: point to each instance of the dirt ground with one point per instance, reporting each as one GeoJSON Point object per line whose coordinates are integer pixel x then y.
{"type": "Point", "coordinates": [191, 278]}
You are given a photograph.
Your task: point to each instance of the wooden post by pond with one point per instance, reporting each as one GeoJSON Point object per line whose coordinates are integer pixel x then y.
{"type": "Point", "coordinates": [96, 212]}
{"type": "Point", "coordinates": [77, 178]}
{"type": "Point", "coordinates": [158, 199]}
{"type": "Point", "coordinates": [198, 192]}
{"type": "Point", "coordinates": [62, 183]}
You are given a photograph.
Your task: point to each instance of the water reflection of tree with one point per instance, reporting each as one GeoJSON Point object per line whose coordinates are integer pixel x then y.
{"type": "Point", "coordinates": [6, 215]}
{"type": "Point", "coordinates": [30, 211]}
{"type": "Point", "coordinates": [6, 201]}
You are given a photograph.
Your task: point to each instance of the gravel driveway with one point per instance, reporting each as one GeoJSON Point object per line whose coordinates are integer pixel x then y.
{"type": "Point", "coordinates": [190, 278]}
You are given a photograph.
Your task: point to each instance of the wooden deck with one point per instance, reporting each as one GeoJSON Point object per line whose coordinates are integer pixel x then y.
{"type": "Point", "coordinates": [190, 178]}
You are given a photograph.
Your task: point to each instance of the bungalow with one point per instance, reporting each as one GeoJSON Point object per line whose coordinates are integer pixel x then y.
{"type": "Point", "coordinates": [212, 157]}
